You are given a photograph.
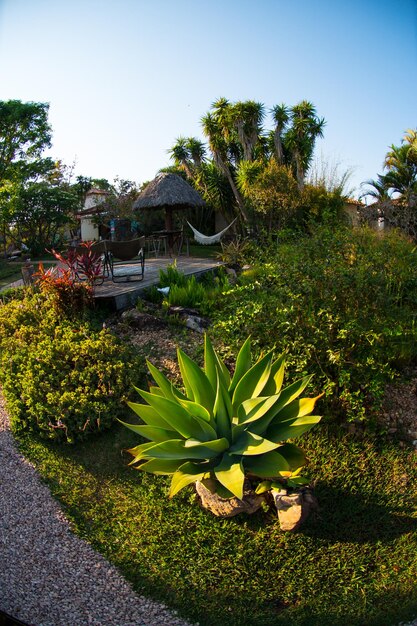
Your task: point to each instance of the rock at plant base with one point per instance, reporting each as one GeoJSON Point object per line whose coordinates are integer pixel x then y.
{"type": "Point", "coordinates": [190, 318]}
{"type": "Point", "coordinates": [223, 507]}
{"type": "Point", "coordinates": [293, 509]}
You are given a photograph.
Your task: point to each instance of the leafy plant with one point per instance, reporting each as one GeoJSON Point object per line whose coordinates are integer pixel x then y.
{"type": "Point", "coordinates": [172, 276]}
{"type": "Point", "coordinates": [235, 253]}
{"type": "Point", "coordinates": [191, 295]}
{"type": "Point", "coordinates": [67, 294]}
{"type": "Point", "coordinates": [224, 428]}
{"type": "Point", "coordinates": [71, 283]}
{"type": "Point", "coordinates": [61, 379]}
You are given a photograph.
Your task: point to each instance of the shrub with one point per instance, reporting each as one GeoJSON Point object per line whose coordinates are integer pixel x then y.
{"type": "Point", "coordinates": [344, 301]}
{"type": "Point", "coordinates": [63, 285]}
{"type": "Point", "coordinates": [60, 379]}
{"type": "Point", "coordinates": [190, 295]}
{"type": "Point", "coordinates": [172, 276]}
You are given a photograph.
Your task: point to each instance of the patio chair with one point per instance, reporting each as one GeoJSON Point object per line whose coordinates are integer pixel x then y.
{"type": "Point", "coordinates": [126, 259]}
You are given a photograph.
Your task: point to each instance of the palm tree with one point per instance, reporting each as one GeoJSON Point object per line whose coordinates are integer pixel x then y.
{"type": "Point", "coordinates": [180, 154]}
{"type": "Point", "coordinates": [215, 131]}
{"type": "Point", "coordinates": [197, 151]}
{"type": "Point", "coordinates": [377, 190]}
{"type": "Point", "coordinates": [300, 138]}
{"type": "Point", "coordinates": [247, 118]}
{"type": "Point", "coordinates": [280, 116]}
{"type": "Point", "coordinates": [401, 163]}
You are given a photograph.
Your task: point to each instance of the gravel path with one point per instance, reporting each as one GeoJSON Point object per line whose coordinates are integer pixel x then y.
{"type": "Point", "coordinates": [48, 576]}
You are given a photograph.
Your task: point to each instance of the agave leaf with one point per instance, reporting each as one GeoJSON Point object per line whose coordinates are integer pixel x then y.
{"type": "Point", "coordinates": [286, 396]}
{"type": "Point", "coordinates": [196, 409]}
{"type": "Point", "coordinates": [254, 408]}
{"type": "Point", "coordinates": [151, 432]}
{"type": "Point", "coordinates": [213, 365]}
{"type": "Point", "coordinates": [218, 445]}
{"type": "Point", "coordinates": [185, 475]}
{"type": "Point", "coordinates": [267, 465]}
{"type": "Point", "coordinates": [222, 410]}
{"type": "Point", "coordinates": [243, 364]}
{"type": "Point", "coordinates": [248, 444]}
{"type": "Point", "coordinates": [276, 377]}
{"type": "Point", "coordinates": [296, 408]}
{"type": "Point", "coordinates": [148, 415]}
{"type": "Point", "coordinates": [292, 428]}
{"type": "Point", "coordinates": [230, 474]}
{"type": "Point", "coordinates": [180, 449]}
{"type": "Point", "coordinates": [179, 419]}
{"type": "Point", "coordinates": [157, 391]}
{"type": "Point", "coordinates": [252, 383]}
{"type": "Point", "coordinates": [294, 456]}
{"type": "Point", "coordinates": [167, 388]}
{"type": "Point", "coordinates": [298, 481]}
{"type": "Point", "coordinates": [237, 431]}
{"type": "Point", "coordinates": [138, 451]}
{"type": "Point", "coordinates": [264, 486]}
{"type": "Point", "coordinates": [197, 384]}
{"type": "Point", "coordinates": [222, 492]}
{"type": "Point", "coordinates": [161, 466]}
{"type": "Point", "coordinates": [291, 392]}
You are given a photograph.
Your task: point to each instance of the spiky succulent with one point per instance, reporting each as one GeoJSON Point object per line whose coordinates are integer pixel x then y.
{"type": "Point", "coordinates": [223, 427]}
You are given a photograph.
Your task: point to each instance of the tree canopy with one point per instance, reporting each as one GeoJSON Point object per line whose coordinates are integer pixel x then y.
{"type": "Point", "coordinates": [242, 150]}
{"type": "Point", "coordinates": [395, 192]}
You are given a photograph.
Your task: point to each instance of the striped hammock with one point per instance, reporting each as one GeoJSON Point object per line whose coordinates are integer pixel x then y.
{"type": "Point", "coordinates": [207, 240]}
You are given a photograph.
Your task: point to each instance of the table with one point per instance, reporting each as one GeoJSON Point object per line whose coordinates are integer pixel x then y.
{"type": "Point", "coordinates": [173, 239]}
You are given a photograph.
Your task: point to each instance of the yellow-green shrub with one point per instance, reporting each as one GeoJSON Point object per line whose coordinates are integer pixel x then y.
{"type": "Point", "coordinates": [61, 379]}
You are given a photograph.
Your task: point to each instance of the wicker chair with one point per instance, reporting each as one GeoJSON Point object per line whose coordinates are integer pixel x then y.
{"type": "Point", "coordinates": [124, 257]}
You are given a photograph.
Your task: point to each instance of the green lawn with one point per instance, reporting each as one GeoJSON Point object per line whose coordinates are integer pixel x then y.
{"type": "Point", "coordinates": [353, 562]}
{"type": "Point", "coordinates": [204, 252]}
{"type": "Point", "coordinates": [10, 271]}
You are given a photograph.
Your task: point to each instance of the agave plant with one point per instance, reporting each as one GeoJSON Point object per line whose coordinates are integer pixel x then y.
{"type": "Point", "coordinates": [224, 428]}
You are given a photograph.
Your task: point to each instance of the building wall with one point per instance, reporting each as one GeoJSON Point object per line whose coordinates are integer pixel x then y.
{"type": "Point", "coordinates": [89, 230]}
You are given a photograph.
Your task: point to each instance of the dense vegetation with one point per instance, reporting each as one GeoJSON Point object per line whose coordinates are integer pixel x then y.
{"type": "Point", "coordinates": [342, 303]}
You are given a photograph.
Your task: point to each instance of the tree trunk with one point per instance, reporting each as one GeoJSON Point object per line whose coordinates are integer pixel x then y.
{"type": "Point", "coordinates": [279, 152]}
{"type": "Point", "coordinates": [299, 170]}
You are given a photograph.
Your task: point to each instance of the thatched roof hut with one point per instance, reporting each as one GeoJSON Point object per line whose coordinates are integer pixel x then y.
{"type": "Point", "coordinates": [169, 192]}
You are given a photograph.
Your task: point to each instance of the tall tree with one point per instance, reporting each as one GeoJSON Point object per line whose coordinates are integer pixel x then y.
{"type": "Point", "coordinates": [301, 137]}
{"type": "Point", "coordinates": [395, 192]}
{"type": "Point", "coordinates": [240, 147]}
{"type": "Point", "coordinates": [281, 117]}
{"type": "Point", "coordinates": [24, 134]}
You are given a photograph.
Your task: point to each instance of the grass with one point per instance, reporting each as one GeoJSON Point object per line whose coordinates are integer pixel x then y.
{"type": "Point", "coordinates": [353, 562]}
{"type": "Point", "coordinates": [204, 252]}
{"type": "Point", "coordinates": [9, 272]}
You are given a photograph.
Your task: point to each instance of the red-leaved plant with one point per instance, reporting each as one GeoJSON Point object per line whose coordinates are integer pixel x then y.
{"type": "Point", "coordinates": [71, 283]}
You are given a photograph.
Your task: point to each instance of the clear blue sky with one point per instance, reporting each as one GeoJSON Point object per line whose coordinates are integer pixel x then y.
{"type": "Point", "coordinates": [125, 78]}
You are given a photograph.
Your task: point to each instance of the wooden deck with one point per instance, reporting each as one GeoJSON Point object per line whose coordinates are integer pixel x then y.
{"type": "Point", "coordinates": [122, 295]}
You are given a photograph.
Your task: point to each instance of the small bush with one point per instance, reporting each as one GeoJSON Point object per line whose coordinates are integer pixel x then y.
{"type": "Point", "coordinates": [12, 293]}
{"type": "Point", "coordinates": [172, 276]}
{"type": "Point", "coordinates": [61, 379]}
{"type": "Point", "coordinates": [190, 295]}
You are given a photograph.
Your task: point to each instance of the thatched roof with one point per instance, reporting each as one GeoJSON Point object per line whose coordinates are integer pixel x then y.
{"type": "Point", "coordinates": [168, 190]}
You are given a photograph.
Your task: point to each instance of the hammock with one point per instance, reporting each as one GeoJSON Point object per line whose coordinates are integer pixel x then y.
{"type": "Point", "coordinates": [207, 240]}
